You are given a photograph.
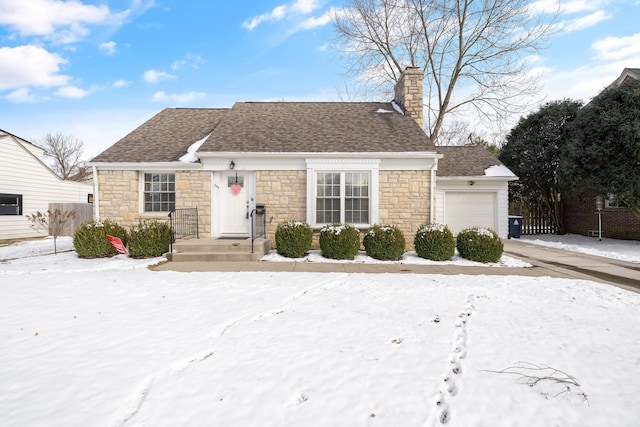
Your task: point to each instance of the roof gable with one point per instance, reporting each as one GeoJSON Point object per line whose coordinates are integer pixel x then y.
{"type": "Point", "coordinates": [165, 137]}
{"type": "Point", "coordinates": [467, 161]}
{"type": "Point", "coordinates": [340, 127]}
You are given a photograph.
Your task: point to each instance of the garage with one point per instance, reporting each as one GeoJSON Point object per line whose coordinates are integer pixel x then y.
{"type": "Point", "coordinates": [465, 209]}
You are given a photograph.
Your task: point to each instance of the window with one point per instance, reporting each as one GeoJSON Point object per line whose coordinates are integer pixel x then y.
{"type": "Point", "coordinates": [159, 192]}
{"type": "Point", "coordinates": [615, 202]}
{"type": "Point", "coordinates": [342, 197]}
{"type": "Point", "coordinates": [10, 204]}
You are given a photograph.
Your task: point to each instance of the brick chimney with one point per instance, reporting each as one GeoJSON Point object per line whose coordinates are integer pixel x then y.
{"type": "Point", "coordinates": [408, 93]}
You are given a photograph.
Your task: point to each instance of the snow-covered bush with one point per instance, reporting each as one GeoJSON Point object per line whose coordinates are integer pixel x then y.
{"type": "Point", "coordinates": [434, 242]}
{"type": "Point", "coordinates": [293, 239]}
{"type": "Point", "coordinates": [149, 239]}
{"type": "Point", "coordinates": [479, 244]}
{"type": "Point", "coordinates": [90, 239]}
{"type": "Point", "coordinates": [339, 241]}
{"type": "Point", "coordinates": [384, 242]}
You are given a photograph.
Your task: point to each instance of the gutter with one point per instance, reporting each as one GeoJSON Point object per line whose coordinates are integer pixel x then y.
{"type": "Point", "coordinates": [96, 195]}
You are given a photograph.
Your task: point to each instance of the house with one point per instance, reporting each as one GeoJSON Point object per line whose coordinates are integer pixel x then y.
{"type": "Point", "coordinates": [28, 185]}
{"type": "Point", "coordinates": [580, 210]}
{"type": "Point", "coordinates": [320, 162]}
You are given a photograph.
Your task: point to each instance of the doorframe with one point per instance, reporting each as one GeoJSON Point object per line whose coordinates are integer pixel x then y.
{"type": "Point", "coordinates": [219, 184]}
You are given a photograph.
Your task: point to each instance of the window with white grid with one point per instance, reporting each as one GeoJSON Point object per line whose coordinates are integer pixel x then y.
{"type": "Point", "coordinates": [342, 197]}
{"type": "Point", "coordinates": [159, 192]}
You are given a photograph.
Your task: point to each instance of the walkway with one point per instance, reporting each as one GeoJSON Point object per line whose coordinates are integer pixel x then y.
{"type": "Point", "coordinates": [546, 262]}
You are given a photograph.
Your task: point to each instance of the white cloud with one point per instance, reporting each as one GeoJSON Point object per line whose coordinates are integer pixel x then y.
{"type": "Point", "coordinates": [193, 61]}
{"type": "Point", "coordinates": [60, 21]}
{"type": "Point", "coordinates": [21, 95]}
{"type": "Point", "coordinates": [72, 92]}
{"type": "Point", "coordinates": [587, 21]}
{"type": "Point", "coordinates": [574, 6]}
{"type": "Point", "coordinates": [28, 65]}
{"type": "Point", "coordinates": [276, 14]}
{"type": "Point", "coordinates": [298, 7]}
{"type": "Point", "coordinates": [619, 48]}
{"type": "Point", "coordinates": [305, 6]}
{"type": "Point", "coordinates": [121, 83]}
{"type": "Point", "coordinates": [319, 21]}
{"type": "Point", "coordinates": [178, 98]}
{"type": "Point", "coordinates": [155, 76]}
{"type": "Point", "coordinates": [108, 47]}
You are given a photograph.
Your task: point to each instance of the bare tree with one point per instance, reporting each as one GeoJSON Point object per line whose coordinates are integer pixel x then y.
{"type": "Point", "coordinates": [64, 151]}
{"type": "Point", "coordinates": [473, 52]}
{"type": "Point", "coordinates": [51, 222]}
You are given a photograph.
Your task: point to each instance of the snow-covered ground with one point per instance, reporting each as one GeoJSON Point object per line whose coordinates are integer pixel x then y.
{"type": "Point", "coordinates": [625, 250]}
{"type": "Point", "coordinates": [108, 342]}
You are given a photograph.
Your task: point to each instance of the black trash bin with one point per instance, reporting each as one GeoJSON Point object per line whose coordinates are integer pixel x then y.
{"type": "Point", "coordinates": [515, 226]}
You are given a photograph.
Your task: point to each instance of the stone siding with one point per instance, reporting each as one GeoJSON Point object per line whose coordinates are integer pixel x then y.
{"type": "Point", "coordinates": [119, 197]}
{"type": "Point", "coordinates": [284, 193]}
{"type": "Point", "coordinates": [405, 201]}
{"type": "Point", "coordinates": [408, 93]}
{"type": "Point", "coordinates": [193, 190]}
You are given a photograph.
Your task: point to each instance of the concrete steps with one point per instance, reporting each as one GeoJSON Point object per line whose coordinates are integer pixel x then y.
{"type": "Point", "coordinates": [218, 250]}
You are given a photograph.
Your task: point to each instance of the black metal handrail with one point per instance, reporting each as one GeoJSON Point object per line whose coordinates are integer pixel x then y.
{"type": "Point", "coordinates": [258, 223]}
{"type": "Point", "coordinates": [183, 224]}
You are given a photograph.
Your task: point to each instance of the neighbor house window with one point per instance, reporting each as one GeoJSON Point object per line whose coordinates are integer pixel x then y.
{"type": "Point", "coordinates": [159, 192]}
{"type": "Point", "coordinates": [615, 202]}
{"type": "Point", "coordinates": [10, 204]}
{"type": "Point", "coordinates": [342, 197]}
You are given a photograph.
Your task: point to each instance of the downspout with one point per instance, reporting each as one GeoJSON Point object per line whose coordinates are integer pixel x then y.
{"type": "Point", "coordinates": [96, 195]}
{"type": "Point", "coordinates": [432, 192]}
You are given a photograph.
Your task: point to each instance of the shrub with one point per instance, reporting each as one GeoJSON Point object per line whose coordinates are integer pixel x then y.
{"type": "Point", "coordinates": [435, 242]}
{"type": "Point", "coordinates": [293, 239]}
{"type": "Point", "coordinates": [339, 241]}
{"type": "Point", "coordinates": [149, 239]}
{"type": "Point", "coordinates": [479, 244]}
{"type": "Point", "coordinates": [384, 242]}
{"type": "Point", "coordinates": [90, 239]}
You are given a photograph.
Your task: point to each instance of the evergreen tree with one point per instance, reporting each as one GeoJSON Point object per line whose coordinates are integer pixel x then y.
{"type": "Point", "coordinates": [604, 152]}
{"type": "Point", "coordinates": [533, 151]}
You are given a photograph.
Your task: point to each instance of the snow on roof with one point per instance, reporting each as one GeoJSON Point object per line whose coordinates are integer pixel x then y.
{"type": "Point", "coordinates": [190, 156]}
{"type": "Point", "coordinates": [382, 110]}
{"type": "Point", "coordinates": [498, 170]}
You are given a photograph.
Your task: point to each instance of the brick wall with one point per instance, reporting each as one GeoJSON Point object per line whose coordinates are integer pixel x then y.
{"type": "Point", "coordinates": [580, 216]}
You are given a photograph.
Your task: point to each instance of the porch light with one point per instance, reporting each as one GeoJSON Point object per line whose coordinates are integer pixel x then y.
{"type": "Point", "coordinates": [232, 165]}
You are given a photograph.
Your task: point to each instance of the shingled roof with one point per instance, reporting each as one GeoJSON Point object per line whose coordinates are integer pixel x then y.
{"type": "Point", "coordinates": [275, 127]}
{"type": "Point", "coordinates": [467, 160]}
{"type": "Point", "coordinates": [315, 127]}
{"type": "Point", "coordinates": [165, 137]}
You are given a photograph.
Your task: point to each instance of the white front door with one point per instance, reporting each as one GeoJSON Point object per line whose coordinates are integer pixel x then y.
{"type": "Point", "coordinates": [235, 207]}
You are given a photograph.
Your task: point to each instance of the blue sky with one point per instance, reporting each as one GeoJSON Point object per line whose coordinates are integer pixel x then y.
{"type": "Point", "coordinates": [98, 69]}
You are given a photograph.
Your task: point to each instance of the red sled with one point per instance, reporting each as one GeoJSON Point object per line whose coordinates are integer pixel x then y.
{"type": "Point", "coordinates": [117, 244]}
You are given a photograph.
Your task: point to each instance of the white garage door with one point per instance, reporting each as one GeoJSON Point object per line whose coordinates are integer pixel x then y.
{"type": "Point", "coordinates": [469, 209]}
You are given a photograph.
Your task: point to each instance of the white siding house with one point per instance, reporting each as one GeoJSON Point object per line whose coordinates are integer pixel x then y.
{"type": "Point", "coordinates": [27, 185]}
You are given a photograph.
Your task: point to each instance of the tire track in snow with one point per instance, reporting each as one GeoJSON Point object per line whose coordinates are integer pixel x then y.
{"type": "Point", "coordinates": [132, 404]}
{"type": "Point", "coordinates": [449, 382]}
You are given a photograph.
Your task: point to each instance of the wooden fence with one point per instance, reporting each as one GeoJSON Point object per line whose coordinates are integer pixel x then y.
{"type": "Point", "coordinates": [84, 213]}
{"type": "Point", "coordinates": [535, 219]}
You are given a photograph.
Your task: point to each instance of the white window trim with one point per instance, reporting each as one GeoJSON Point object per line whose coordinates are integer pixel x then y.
{"type": "Point", "coordinates": [344, 165]}
{"type": "Point", "coordinates": [141, 192]}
